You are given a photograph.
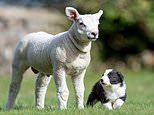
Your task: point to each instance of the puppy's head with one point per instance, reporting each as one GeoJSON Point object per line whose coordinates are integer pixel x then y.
{"type": "Point", "coordinates": [112, 77]}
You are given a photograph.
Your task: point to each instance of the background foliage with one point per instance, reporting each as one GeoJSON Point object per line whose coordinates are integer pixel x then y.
{"type": "Point", "coordinates": [126, 28]}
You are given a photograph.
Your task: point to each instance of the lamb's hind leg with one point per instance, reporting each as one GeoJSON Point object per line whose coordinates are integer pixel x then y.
{"type": "Point", "coordinates": [17, 76]}
{"type": "Point", "coordinates": [41, 85]}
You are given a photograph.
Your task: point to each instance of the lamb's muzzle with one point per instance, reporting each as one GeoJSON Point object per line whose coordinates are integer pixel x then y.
{"type": "Point", "coordinates": [67, 53]}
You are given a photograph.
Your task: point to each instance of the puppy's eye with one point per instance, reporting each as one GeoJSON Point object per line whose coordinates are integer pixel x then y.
{"type": "Point", "coordinates": [109, 77]}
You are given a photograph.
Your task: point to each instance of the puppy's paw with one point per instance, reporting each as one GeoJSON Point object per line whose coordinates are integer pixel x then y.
{"type": "Point", "coordinates": [108, 105]}
{"type": "Point", "coordinates": [118, 103]}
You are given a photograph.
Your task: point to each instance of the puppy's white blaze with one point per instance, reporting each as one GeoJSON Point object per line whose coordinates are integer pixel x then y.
{"type": "Point", "coordinates": [105, 77]}
{"type": "Point", "coordinates": [118, 103]}
{"type": "Point", "coordinates": [108, 71]}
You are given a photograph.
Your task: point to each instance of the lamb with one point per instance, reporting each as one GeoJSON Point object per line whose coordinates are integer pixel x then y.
{"type": "Point", "coordinates": [66, 53]}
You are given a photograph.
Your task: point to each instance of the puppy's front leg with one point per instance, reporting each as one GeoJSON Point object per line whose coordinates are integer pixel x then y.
{"type": "Point", "coordinates": [108, 105]}
{"type": "Point", "coordinates": [118, 103]}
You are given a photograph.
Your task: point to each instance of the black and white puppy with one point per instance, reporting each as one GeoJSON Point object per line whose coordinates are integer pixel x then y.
{"type": "Point", "coordinates": [110, 90]}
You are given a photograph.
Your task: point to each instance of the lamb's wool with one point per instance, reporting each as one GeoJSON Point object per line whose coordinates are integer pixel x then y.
{"type": "Point", "coordinates": [58, 55]}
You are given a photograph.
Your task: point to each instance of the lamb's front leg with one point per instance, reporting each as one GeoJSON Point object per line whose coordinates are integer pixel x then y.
{"type": "Point", "coordinates": [41, 85]}
{"type": "Point", "coordinates": [78, 83]}
{"type": "Point", "coordinates": [61, 86]}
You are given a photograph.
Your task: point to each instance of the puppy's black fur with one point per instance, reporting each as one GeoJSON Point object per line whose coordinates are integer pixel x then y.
{"type": "Point", "coordinates": [97, 94]}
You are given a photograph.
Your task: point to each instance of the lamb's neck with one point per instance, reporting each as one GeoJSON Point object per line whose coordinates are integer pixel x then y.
{"type": "Point", "coordinates": [83, 46]}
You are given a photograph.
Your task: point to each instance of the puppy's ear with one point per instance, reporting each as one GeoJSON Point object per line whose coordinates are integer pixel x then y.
{"type": "Point", "coordinates": [121, 78]}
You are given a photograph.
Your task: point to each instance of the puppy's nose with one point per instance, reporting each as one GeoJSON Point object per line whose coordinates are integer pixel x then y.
{"type": "Point", "coordinates": [94, 34]}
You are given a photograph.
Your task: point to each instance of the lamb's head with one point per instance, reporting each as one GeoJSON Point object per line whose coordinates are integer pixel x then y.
{"type": "Point", "coordinates": [86, 25]}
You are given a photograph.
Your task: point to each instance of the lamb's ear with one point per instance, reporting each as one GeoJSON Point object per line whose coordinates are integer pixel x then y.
{"type": "Point", "coordinates": [71, 13]}
{"type": "Point", "coordinates": [99, 14]}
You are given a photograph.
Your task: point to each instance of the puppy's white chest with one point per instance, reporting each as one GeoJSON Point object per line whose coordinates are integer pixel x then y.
{"type": "Point", "coordinates": [115, 93]}
{"type": "Point", "coordinates": [112, 96]}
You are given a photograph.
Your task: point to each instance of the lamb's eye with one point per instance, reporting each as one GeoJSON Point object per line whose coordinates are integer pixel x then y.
{"type": "Point", "coordinates": [81, 23]}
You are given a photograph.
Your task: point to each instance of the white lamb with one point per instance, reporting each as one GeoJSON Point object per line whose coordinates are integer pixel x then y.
{"type": "Point", "coordinates": [61, 54]}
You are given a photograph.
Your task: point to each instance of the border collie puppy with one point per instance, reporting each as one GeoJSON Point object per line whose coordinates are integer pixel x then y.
{"type": "Point", "coordinates": [110, 90]}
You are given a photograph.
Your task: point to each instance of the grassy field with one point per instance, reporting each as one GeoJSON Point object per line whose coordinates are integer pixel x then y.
{"type": "Point", "coordinates": [140, 100]}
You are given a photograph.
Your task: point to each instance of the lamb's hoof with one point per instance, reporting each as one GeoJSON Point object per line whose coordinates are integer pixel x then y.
{"type": "Point", "coordinates": [39, 108]}
{"type": "Point", "coordinates": [8, 107]}
{"type": "Point", "coordinates": [80, 107]}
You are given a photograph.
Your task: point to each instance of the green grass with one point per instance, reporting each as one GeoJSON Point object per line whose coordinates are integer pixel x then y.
{"type": "Point", "coordinates": [140, 96]}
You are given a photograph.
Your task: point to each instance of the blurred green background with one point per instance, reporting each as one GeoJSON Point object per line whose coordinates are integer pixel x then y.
{"type": "Point", "coordinates": [126, 28]}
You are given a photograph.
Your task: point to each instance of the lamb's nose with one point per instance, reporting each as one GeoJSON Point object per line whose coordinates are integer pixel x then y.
{"type": "Point", "coordinates": [94, 34]}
